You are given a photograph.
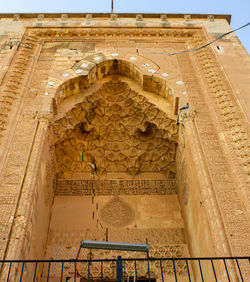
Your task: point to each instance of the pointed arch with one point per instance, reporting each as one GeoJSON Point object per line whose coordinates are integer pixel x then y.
{"type": "Point", "coordinates": [91, 72]}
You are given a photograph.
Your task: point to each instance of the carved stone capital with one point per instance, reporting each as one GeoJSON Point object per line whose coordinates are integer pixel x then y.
{"type": "Point", "coordinates": [45, 118]}
{"type": "Point", "coordinates": [187, 115]}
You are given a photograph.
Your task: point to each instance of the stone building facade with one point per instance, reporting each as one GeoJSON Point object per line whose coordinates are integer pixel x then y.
{"type": "Point", "coordinates": [89, 143]}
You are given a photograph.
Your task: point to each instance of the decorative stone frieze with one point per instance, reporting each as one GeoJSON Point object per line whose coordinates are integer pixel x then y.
{"type": "Point", "coordinates": [115, 187]}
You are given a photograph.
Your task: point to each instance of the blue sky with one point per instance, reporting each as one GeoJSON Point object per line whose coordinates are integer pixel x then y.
{"type": "Point", "coordinates": [239, 9]}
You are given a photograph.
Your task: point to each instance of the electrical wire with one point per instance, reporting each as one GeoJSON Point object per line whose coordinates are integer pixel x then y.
{"type": "Point", "coordinates": [184, 51]}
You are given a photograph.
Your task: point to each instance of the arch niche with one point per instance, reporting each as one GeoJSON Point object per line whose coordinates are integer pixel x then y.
{"type": "Point", "coordinates": [118, 131]}
{"type": "Point", "coordinates": [115, 152]}
{"type": "Point", "coordinates": [105, 119]}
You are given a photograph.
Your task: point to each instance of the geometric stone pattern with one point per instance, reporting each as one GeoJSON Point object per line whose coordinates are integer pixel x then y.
{"type": "Point", "coordinates": [163, 243]}
{"type": "Point", "coordinates": [160, 236]}
{"type": "Point", "coordinates": [109, 268]}
{"type": "Point", "coordinates": [119, 131]}
{"type": "Point", "coordinates": [115, 187]}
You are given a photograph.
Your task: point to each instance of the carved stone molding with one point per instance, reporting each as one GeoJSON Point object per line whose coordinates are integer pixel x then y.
{"type": "Point", "coordinates": [227, 108]}
{"type": "Point", "coordinates": [15, 81]}
{"type": "Point", "coordinates": [107, 32]}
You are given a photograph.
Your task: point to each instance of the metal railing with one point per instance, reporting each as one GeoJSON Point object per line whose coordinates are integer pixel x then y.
{"type": "Point", "coordinates": [129, 269]}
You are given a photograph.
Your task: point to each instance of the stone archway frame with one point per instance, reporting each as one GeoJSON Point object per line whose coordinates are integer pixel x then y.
{"type": "Point", "coordinates": [217, 101]}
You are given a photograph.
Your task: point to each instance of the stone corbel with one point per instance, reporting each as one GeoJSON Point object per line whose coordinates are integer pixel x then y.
{"type": "Point", "coordinates": [139, 18]}
{"type": "Point", "coordinates": [40, 17]}
{"type": "Point", "coordinates": [187, 18]}
{"type": "Point", "coordinates": [16, 17]}
{"type": "Point", "coordinates": [113, 17]}
{"type": "Point", "coordinates": [64, 17]}
{"type": "Point", "coordinates": [210, 18]}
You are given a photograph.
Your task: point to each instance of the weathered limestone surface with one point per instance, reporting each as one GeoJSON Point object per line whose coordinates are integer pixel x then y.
{"type": "Point", "coordinates": [88, 123]}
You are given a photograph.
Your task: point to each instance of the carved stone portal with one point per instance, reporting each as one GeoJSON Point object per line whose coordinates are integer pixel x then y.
{"type": "Point", "coordinates": [118, 130]}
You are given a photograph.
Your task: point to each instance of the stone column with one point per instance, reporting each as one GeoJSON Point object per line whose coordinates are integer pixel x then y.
{"type": "Point", "coordinates": [189, 131]}
{"type": "Point", "coordinates": [18, 230]}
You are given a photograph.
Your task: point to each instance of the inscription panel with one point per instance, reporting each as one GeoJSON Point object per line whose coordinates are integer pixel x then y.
{"type": "Point", "coordinates": [115, 187]}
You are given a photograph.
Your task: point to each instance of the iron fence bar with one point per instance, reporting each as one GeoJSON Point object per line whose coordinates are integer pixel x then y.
{"type": "Point", "coordinates": [189, 278]}
{"type": "Point", "coordinates": [175, 275]}
{"type": "Point", "coordinates": [239, 269]}
{"type": "Point", "coordinates": [75, 272]}
{"type": "Point", "coordinates": [34, 277]}
{"type": "Point", "coordinates": [88, 270]}
{"type": "Point", "coordinates": [21, 275]}
{"type": "Point", "coordinates": [48, 271]}
{"type": "Point", "coordinates": [135, 272]}
{"type": "Point", "coordinates": [8, 276]}
{"type": "Point", "coordinates": [123, 267]}
{"type": "Point", "coordinates": [148, 271]}
{"type": "Point", "coordinates": [202, 279]}
{"type": "Point", "coordinates": [226, 270]}
{"type": "Point", "coordinates": [119, 269]}
{"type": "Point", "coordinates": [101, 271]}
{"type": "Point", "coordinates": [162, 277]}
{"type": "Point", "coordinates": [62, 272]}
{"type": "Point", "coordinates": [214, 270]}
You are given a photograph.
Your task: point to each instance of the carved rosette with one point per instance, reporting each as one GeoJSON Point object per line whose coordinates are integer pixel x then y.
{"type": "Point", "coordinates": [117, 213]}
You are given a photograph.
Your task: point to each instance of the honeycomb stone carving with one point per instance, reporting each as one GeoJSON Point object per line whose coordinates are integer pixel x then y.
{"type": "Point", "coordinates": [118, 130]}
